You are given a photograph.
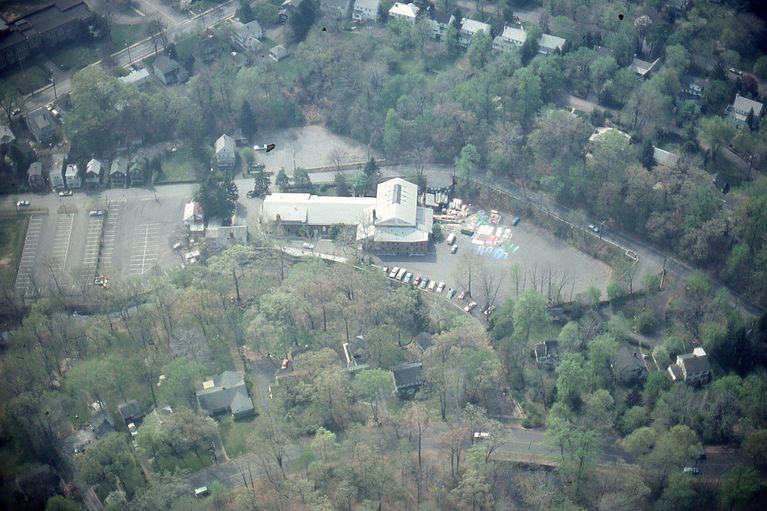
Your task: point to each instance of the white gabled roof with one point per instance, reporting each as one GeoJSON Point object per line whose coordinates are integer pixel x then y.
{"type": "Point", "coordinates": [742, 104]}
{"type": "Point", "coordinates": [474, 26]}
{"type": "Point", "coordinates": [225, 143]}
{"type": "Point", "coordinates": [407, 10]}
{"type": "Point", "coordinates": [93, 167]}
{"type": "Point", "coordinates": [514, 34]}
{"type": "Point", "coordinates": [315, 209]}
{"type": "Point", "coordinates": [551, 42]}
{"type": "Point", "coordinates": [71, 170]}
{"type": "Point", "coordinates": [396, 203]}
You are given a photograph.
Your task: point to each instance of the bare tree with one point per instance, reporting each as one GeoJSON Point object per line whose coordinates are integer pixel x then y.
{"type": "Point", "coordinates": [336, 157]}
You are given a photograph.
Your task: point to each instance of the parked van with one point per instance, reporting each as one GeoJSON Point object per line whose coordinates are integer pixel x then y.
{"type": "Point", "coordinates": [451, 238]}
{"type": "Point", "coordinates": [393, 272]}
{"type": "Point", "coordinates": [401, 273]}
{"type": "Point", "coordinates": [432, 285]}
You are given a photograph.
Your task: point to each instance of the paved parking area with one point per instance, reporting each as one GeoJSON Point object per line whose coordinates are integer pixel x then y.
{"type": "Point", "coordinates": [114, 209]}
{"type": "Point", "coordinates": [146, 248]}
{"type": "Point", "coordinates": [92, 245]}
{"type": "Point", "coordinates": [29, 253]}
{"type": "Point", "coordinates": [60, 247]}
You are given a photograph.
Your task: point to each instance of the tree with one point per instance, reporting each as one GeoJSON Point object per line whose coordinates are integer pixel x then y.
{"type": "Point", "coordinates": [467, 164]}
{"type": "Point", "coordinates": [480, 49]}
{"type": "Point", "coordinates": [528, 88]}
{"type": "Point", "coordinates": [739, 485]}
{"type": "Point", "coordinates": [640, 442]}
{"type": "Point", "coordinates": [677, 58]}
{"type": "Point", "coordinates": [601, 71]}
{"type": "Point", "coordinates": [715, 131]}
{"type": "Point", "coordinates": [106, 461]}
{"type": "Point", "coordinates": [679, 493]}
{"type": "Point", "coordinates": [59, 503]}
{"type": "Point", "coordinates": [572, 379]}
{"type": "Point", "coordinates": [10, 99]}
{"type": "Point", "coordinates": [373, 386]}
{"type": "Point", "coordinates": [755, 445]}
{"type": "Point", "coordinates": [246, 12]}
{"type": "Point", "coordinates": [301, 180]}
{"type": "Point", "coordinates": [282, 181]}
{"type": "Point", "coordinates": [261, 182]}
{"type": "Point", "coordinates": [302, 20]}
{"type": "Point", "coordinates": [247, 120]}
{"type": "Point", "coordinates": [218, 197]}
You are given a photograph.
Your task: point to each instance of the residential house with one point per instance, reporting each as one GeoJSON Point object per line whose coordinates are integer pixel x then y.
{"type": "Point", "coordinates": [642, 67]}
{"type": "Point", "coordinates": [6, 135]}
{"type": "Point", "coordinates": [691, 368]}
{"type": "Point", "coordinates": [56, 171]}
{"type": "Point", "coordinates": [741, 109]}
{"type": "Point", "coordinates": [692, 86]}
{"type": "Point", "coordinates": [549, 44]}
{"type": "Point", "coordinates": [137, 171]}
{"type": "Point", "coordinates": [424, 341]}
{"type": "Point", "coordinates": [547, 353]}
{"type": "Point", "coordinates": [221, 236]}
{"type": "Point", "coordinates": [226, 393]}
{"type": "Point", "coordinates": [513, 36]}
{"type": "Point", "coordinates": [720, 183]}
{"type": "Point", "coordinates": [102, 424]}
{"type": "Point", "coordinates": [46, 26]}
{"type": "Point", "coordinates": [241, 60]}
{"type": "Point", "coordinates": [278, 53]}
{"type": "Point", "coordinates": [168, 71]}
{"type": "Point", "coordinates": [335, 8]}
{"type": "Point", "coordinates": [226, 153]}
{"type": "Point", "coordinates": [41, 125]}
{"type": "Point", "coordinates": [469, 28]}
{"type": "Point", "coordinates": [248, 36]}
{"type": "Point", "coordinates": [408, 378]}
{"type": "Point", "coordinates": [118, 172]}
{"type": "Point", "coordinates": [72, 177]}
{"type": "Point", "coordinates": [439, 22]}
{"type": "Point", "coordinates": [629, 366]}
{"type": "Point", "coordinates": [356, 352]}
{"type": "Point", "coordinates": [407, 12]}
{"type": "Point", "coordinates": [138, 78]}
{"type": "Point", "coordinates": [288, 8]}
{"type": "Point", "coordinates": [130, 411]}
{"type": "Point", "coordinates": [366, 10]}
{"type": "Point", "coordinates": [35, 178]}
{"type": "Point", "coordinates": [663, 157]}
{"type": "Point", "coordinates": [93, 171]}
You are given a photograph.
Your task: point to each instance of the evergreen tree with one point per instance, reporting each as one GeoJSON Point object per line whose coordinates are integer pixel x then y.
{"type": "Point", "coordinates": [247, 120]}
{"type": "Point", "coordinates": [261, 182]}
{"type": "Point", "coordinates": [342, 186]}
{"type": "Point", "coordinates": [282, 181]}
{"type": "Point", "coordinates": [647, 155]}
{"type": "Point", "coordinates": [246, 12]}
{"type": "Point", "coordinates": [302, 21]}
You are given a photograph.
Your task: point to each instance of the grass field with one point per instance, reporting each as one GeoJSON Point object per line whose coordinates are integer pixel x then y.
{"type": "Point", "coordinates": [178, 167]}
{"type": "Point", "coordinates": [12, 232]}
{"type": "Point", "coordinates": [234, 433]}
{"type": "Point", "coordinates": [28, 78]}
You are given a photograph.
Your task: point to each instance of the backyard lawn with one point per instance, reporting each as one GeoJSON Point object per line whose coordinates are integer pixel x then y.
{"type": "Point", "coordinates": [178, 167]}
{"type": "Point", "coordinates": [12, 232]}
{"type": "Point", "coordinates": [189, 462]}
{"type": "Point", "coordinates": [234, 434]}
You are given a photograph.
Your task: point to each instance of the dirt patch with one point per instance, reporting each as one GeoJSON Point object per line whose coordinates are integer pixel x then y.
{"type": "Point", "coordinates": [5, 261]}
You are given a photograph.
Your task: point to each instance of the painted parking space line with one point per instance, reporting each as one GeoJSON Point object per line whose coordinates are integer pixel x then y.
{"type": "Point", "coordinates": [145, 249]}
{"type": "Point", "coordinates": [29, 253]}
{"type": "Point", "coordinates": [110, 235]}
{"type": "Point", "coordinates": [60, 248]}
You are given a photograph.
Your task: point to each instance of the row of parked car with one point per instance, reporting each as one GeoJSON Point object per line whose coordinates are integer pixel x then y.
{"type": "Point", "coordinates": [406, 277]}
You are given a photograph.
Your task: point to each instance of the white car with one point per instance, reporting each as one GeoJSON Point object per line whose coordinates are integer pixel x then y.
{"type": "Point", "coordinates": [440, 287]}
{"type": "Point", "coordinates": [393, 272]}
{"type": "Point", "coordinates": [594, 228]}
{"type": "Point", "coordinates": [260, 147]}
{"type": "Point", "coordinates": [22, 204]}
{"type": "Point", "coordinates": [132, 428]}
{"type": "Point", "coordinates": [96, 212]}
{"type": "Point", "coordinates": [470, 307]}
{"type": "Point", "coordinates": [308, 246]}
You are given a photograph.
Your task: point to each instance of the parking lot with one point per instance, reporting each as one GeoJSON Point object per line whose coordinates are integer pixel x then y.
{"type": "Point", "coordinates": [109, 235]}
{"type": "Point", "coordinates": [145, 249]}
{"type": "Point", "coordinates": [29, 253]}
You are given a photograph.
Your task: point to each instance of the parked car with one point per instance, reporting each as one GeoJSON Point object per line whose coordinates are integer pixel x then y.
{"type": "Point", "coordinates": [65, 193]}
{"type": "Point", "coordinates": [424, 283]}
{"type": "Point", "coordinates": [594, 228]}
{"type": "Point", "coordinates": [95, 212]}
{"type": "Point", "coordinates": [691, 470]}
{"type": "Point", "coordinates": [489, 310]}
{"type": "Point", "coordinates": [259, 147]}
{"type": "Point", "coordinates": [132, 428]}
{"type": "Point", "coordinates": [285, 364]}
{"type": "Point", "coordinates": [432, 285]}
{"type": "Point", "coordinates": [250, 194]}
{"type": "Point", "coordinates": [736, 71]}
{"type": "Point", "coordinates": [450, 294]}
{"type": "Point", "coordinates": [308, 246]}
{"type": "Point", "coordinates": [400, 274]}
{"type": "Point", "coordinates": [463, 294]}
{"type": "Point", "coordinates": [393, 272]}
{"type": "Point", "coordinates": [440, 287]}
{"type": "Point", "coordinates": [22, 204]}
{"type": "Point", "coordinates": [515, 221]}
{"type": "Point", "coordinates": [454, 249]}
{"type": "Point", "coordinates": [470, 307]}
{"type": "Point", "coordinates": [481, 435]}
{"type": "Point", "coordinates": [417, 280]}
{"type": "Point", "coordinates": [386, 270]}
{"type": "Point", "coordinates": [408, 278]}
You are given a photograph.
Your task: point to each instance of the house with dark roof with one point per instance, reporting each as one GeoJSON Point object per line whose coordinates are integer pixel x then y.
{"type": "Point", "coordinates": [720, 183]}
{"type": "Point", "coordinates": [643, 68]}
{"type": "Point", "coordinates": [35, 178]}
{"type": "Point", "coordinates": [691, 368]}
{"type": "Point", "coordinates": [629, 366]}
{"type": "Point", "coordinates": [356, 352]}
{"type": "Point", "coordinates": [118, 172]}
{"type": "Point", "coordinates": [423, 341]}
{"type": "Point", "coordinates": [6, 135]}
{"type": "Point", "coordinates": [41, 125]}
{"type": "Point", "coordinates": [130, 411]}
{"type": "Point", "coordinates": [102, 424]}
{"type": "Point", "coordinates": [547, 353]}
{"type": "Point", "coordinates": [168, 71]}
{"type": "Point", "coordinates": [335, 8]}
{"type": "Point", "coordinates": [743, 108]}
{"type": "Point", "coordinates": [226, 393]}
{"type": "Point", "coordinates": [137, 171]}
{"type": "Point", "coordinates": [408, 378]}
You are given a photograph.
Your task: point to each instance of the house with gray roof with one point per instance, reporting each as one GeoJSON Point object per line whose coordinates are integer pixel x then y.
{"type": "Point", "coordinates": [365, 10]}
{"type": "Point", "coordinates": [226, 153]}
{"type": "Point", "coordinates": [629, 366]}
{"type": "Point", "coordinates": [741, 109]}
{"type": "Point", "coordinates": [408, 378]}
{"type": "Point", "coordinates": [168, 71]}
{"type": "Point", "coordinates": [549, 44]}
{"type": "Point", "coordinates": [226, 393]}
{"type": "Point", "coordinates": [692, 86]}
{"type": "Point", "coordinates": [643, 68]}
{"type": "Point", "coordinates": [137, 171]}
{"type": "Point", "coordinates": [439, 22]}
{"type": "Point", "coordinates": [278, 53]}
{"type": "Point", "coordinates": [469, 29]}
{"type": "Point", "coordinates": [248, 36]}
{"type": "Point", "coordinates": [41, 125]}
{"type": "Point", "coordinates": [692, 368]}
{"type": "Point", "coordinates": [118, 172]}
{"type": "Point", "coordinates": [93, 171]}
{"type": "Point", "coordinates": [56, 171]}
{"type": "Point", "coordinates": [335, 8]}
{"type": "Point", "coordinates": [130, 411]}
{"type": "Point", "coordinates": [35, 178]}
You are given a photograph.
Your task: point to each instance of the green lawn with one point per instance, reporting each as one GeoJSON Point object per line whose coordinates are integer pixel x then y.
{"type": "Point", "coordinates": [29, 78]}
{"type": "Point", "coordinates": [76, 56]}
{"type": "Point", "coordinates": [123, 33]}
{"type": "Point", "coordinates": [12, 231]}
{"type": "Point", "coordinates": [234, 433]}
{"type": "Point", "coordinates": [189, 462]}
{"type": "Point", "coordinates": [180, 166]}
